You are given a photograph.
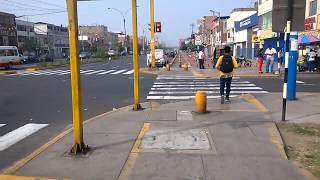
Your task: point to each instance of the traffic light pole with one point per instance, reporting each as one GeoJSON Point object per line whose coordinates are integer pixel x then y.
{"type": "Point", "coordinates": [136, 105]}
{"type": "Point", "coordinates": [152, 42]}
{"type": "Point", "coordinates": [79, 146]}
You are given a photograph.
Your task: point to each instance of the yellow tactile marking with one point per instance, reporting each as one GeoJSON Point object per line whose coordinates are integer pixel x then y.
{"type": "Point", "coordinates": [134, 154]}
{"type": "Point", "coordinates": [251, 99]}
{"type": "Point", "coordinates": [9, 177]}
{"type": "Point", "coordinates": [275, 138]}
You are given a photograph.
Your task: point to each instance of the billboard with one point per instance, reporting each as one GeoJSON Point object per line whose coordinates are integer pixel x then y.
{"type": "Point", "coordinates": [246, 23]}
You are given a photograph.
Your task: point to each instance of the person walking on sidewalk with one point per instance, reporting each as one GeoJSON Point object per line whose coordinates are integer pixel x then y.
{"type": "Point", "coordinates": [311, 60]}
{"type": "Point", "coordinates": [225, 65]}
{"type": "Point", "coordinates": [201, 59]}
{"type": "Point", "coordinates": [260, 60]}
{"type": "Point", "coordinates": [270, 54]}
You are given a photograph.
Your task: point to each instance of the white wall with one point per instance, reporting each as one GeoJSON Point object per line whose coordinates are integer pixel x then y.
{"type": "Point", "coordinates": [265, 7]}
{"type": "Point", "coordinates": [241, 36]}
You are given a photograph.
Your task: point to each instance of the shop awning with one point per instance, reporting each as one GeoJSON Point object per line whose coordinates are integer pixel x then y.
{"type": "Point", "coordinates": [308, 37]}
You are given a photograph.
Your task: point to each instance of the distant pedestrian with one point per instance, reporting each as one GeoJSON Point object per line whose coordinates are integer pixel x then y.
{"type": "Point", "coordinates": [225, 65]}
{"type": "Point", "coordinates": [281, 57]}
{"type": "Point", "coordinates": [311, 60]}
{"type": "Point", "coordinates": [260, 60]}
{"type": "Point", "coordinates": [270, 54]}
{"type": "Point", "coordinates": [201, 59]}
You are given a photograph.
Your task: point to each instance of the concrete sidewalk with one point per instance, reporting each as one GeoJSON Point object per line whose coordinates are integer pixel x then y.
{"type": "Point", "coordinates": [170, 141]}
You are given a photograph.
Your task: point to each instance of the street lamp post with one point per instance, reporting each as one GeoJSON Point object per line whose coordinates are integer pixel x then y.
{"type": "Point", "coordinates": [124, 23]}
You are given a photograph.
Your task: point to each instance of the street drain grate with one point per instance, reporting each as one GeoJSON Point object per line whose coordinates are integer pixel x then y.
{"type": "Point", "coordinates": [176, 139]}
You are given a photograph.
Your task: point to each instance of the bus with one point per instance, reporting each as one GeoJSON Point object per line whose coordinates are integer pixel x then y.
{"type": "Point", "coordinates": [9, 55]}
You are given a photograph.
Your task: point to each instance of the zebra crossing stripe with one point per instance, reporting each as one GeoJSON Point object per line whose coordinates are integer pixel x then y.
{"type": "Point", "coordinates": [94, 72]}
{"type": "Point", "coordinates": [85, 71]}
{"type": "Point", "coordinates": [202, 85]}
{"type": "Point", "coordinates": [106, 72]}
{"type": "Point", "coordinates": [17, 135]}
{"type": "Point", "coordinates": [118, 72]}
{"type": "Point", "coordinates": [208, 92]}
{"type": "Point", "coordinates": [2, 125]}
{"type": "Point", "coordinates": [207, 82]}
{"type": "Point", "coordinates": [205, 88]}
{"type": "Point", "coordinates": [180, 97]}
{"type": "Point", "coordinates": [129, 72]}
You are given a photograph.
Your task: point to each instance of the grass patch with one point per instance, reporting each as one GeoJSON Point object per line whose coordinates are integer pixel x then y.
{"type": "Point", "coordinates": [303, 145]}
{"type": "Point", "coordinates": [310, 131]}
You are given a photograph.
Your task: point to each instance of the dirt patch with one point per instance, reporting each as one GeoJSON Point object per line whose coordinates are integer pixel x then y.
{"type": "Point", "coordinates": [303, 145]}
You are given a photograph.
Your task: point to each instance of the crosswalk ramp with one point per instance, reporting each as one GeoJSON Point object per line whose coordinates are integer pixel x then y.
{"type": "Point", "coordinates": [168, 87]}
{"type": "Point", "coordinates": [18, 134]}
{"type": "Point", "coordinates": [67, 72]}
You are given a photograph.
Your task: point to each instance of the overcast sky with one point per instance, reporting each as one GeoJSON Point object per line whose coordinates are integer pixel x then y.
{"type": "Point", "coordinates": [175, 15]}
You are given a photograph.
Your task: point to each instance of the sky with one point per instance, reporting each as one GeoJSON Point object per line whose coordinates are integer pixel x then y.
{"type": "Point", "coordinates": [176, 16]}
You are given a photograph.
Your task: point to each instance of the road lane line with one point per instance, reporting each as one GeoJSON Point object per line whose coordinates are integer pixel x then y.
{"type": "Point", "coordinates": [208, 82]}
{"type": "Point", "coordinates": [17, 135]}
{"type": "Point", "coordinates": [129, 72]}
{"type": "Point", "coordinates": [2, 125]}
{"type": "Point", "coordinates": [106, 72]}
{"type": "Point", "coordinates": [118, 72]}
{"type": "Point", "coordinates": [181, 97]}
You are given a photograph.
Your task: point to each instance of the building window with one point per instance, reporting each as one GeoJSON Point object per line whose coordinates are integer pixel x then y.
{"type": "Point", "coordinates": [267, 20]}
{"type": "Point", "coordinates": [313, 8]}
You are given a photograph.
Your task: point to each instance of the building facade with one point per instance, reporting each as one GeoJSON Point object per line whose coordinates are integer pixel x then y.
{"type": "Point", "coordinates": [8, 33]}
{"type": "Point", "coordinates": [238, 38]}
{"type": "Point", "coordinates": [26, 35]}
{"type": "Point", "coordinates": [52, 39]}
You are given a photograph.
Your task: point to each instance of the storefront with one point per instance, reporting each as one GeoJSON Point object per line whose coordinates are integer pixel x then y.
{"type": "Point", "coordinates": [273, 39]}
{"type": "Point", "coordinates": [244, 31]}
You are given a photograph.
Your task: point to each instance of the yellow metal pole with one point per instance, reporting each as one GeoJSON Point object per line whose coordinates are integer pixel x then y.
{"type": "Point", "coordinates": [79, 145]}
{"type": "Point", "coordinates": [137, 105]}
{"type": "Point", "coordinates": [152, 42]}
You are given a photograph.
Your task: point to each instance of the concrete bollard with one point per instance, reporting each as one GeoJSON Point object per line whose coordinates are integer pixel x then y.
{"type": "Point", "coordinates": [185, 67]}
{"type": "Point", "coordinates": [168, 67]}
{"type": "Point", "coordinates": [201, 102]}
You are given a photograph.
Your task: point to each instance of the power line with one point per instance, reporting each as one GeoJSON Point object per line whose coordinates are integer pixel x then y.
{"type": "Point", "coordinates": [50, 4]}
{"type": "Point", "coordinates": [28, 5]}
{"type": "Point", "coordinates": [41, 14]}
{"type": "Point", "coordinates": [23, 7]}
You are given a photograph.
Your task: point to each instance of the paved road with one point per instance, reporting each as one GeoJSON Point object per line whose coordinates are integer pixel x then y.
{"type": "Point", "coordinates": [36, 106]}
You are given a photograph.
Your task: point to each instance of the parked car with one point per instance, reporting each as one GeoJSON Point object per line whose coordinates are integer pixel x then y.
{"type": "Point", "coordinates": [159, 58]}
{"type": "Point", "coordinates": [29, 58]}
{"type": "Point", "coordinates": [84, 55]}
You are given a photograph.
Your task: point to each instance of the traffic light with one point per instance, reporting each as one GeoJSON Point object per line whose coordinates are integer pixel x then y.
{"type": "Point", "coordinates": [158, 27]}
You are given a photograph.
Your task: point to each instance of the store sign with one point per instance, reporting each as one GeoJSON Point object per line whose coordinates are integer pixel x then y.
{"type": "Point", "coordinates": [310, 23]}
{"type": "Point", "coordinates": [318, 22]}
{"type": "Point", "coordinates": [256, 39]}
{"type": "Point", "coordinates": [198, 40]}
{"type": "Point", "coordinates": [246, 23]}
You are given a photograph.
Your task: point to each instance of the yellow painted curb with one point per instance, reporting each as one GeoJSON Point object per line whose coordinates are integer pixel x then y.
{"type": "Point", "coordinates": [134, 154]}
{"type": "Point", "coordinates": [276, 139]}
{"type": "Point", "coordinates": [251, 99]}
{"type": "Point", "coordinates": [7, 177]}
{"type": "Point", "coordinates": [8, 72]}
{"type": "Point", "coordinates": [32, 69]}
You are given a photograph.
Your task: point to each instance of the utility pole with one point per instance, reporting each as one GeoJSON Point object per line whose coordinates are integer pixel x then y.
{"type": "Point", "coordinates": [136, 105]}
{"type": "Point", "coordinates": [192, 27]}
{"type": "Point", "coordinates": [152, 40]}
{"type": "Point", "coordinates": [79, 146]}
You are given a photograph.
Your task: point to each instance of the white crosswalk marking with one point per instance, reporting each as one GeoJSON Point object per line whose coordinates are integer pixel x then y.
{"type": "Point", "coordinates": [17, 135]}
{"type": "Point", "coordinates": [64, 72]}
{"type": "Point", "coordinates": [106, 72]}
{"type": "Point", "coordinates": [2, 125]}
{"type": "Point", "coordinates": [170, 87]}
{"type": "Point", "coordinates": [94, 72]}
{"type": "Point", "coordinates": [129, 72]}
{"type": "Point", "coordinates": [120, 71]}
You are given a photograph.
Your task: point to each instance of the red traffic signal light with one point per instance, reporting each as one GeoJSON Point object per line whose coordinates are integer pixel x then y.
{"type": "Point", "coordinates": [158, 26]}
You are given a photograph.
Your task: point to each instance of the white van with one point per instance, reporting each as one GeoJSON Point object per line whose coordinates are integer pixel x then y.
{"type": "Point", "coordinates": [159, 58]}
{"type": "Point", "coordinates": [9, 55]}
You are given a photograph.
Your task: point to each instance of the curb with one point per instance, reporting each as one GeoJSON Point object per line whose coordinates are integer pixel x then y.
{"type": "Point", "coordinates": [22, 162]}
{"type": "Point", "coordinates": [8, 72]}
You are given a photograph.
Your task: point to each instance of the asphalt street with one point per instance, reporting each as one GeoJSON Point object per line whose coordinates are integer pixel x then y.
{"type": "Point", "coordinates": [45, 99]}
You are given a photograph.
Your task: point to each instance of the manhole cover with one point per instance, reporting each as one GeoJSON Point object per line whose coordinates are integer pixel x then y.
{"type": "Point", "coordinates": [175, 139]}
